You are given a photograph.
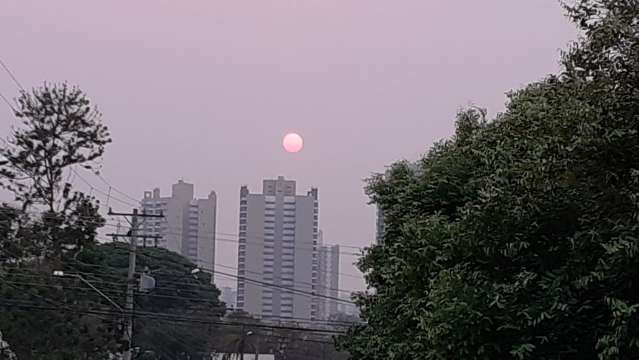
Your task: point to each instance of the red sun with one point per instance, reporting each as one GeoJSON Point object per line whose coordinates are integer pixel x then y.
{"type": "Point", "coordinates": [293, 143]}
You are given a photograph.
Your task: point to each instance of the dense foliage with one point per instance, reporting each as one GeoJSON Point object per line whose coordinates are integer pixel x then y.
{"type": "Point", "coordinates": [178, 295]}
{"type": "Point", "coordinates": [518, 238]}
{"type": "Point", "coordinates": [40, 312]}
{"type": "Point", "coordinates": [51, 226]}
{"type": "Point", "coordinates": [59, 129]}
{"type": "Point", "coordinates": [50, 223]}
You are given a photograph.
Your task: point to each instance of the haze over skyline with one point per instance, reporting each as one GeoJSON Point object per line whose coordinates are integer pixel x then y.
{"type": "Point", "coordinates": [205, 90]}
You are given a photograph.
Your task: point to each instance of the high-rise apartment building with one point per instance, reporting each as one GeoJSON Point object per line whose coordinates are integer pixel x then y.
{"type": "Point", "coordinates": [188, 226]}
{"type": "Point", "coordinates": [345, 307]}
{"type": "Point", "coordinates": [228, 296]}
{"type": "Point", "coordinates": [278, 235]}
{"type": "Point", "coordinates": [328, 279]}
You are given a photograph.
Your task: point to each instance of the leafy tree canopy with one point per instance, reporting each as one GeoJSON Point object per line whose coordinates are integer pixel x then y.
{"type": "Point", "coordinates": [518, 238]}
{"type": "Point", "coordinates": [59, 130]}
{"type": "Point", "coordinates": [77, 322]}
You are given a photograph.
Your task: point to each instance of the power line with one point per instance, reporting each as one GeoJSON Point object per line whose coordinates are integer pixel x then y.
{"type": "Point", "coordinates": [256, 281]}
{"type": "Point", "coordinates": [111, 187]}
{"type": "Point", "coordinates": [222, 239]}
{"type": "Point", "coordinates": [114, 188]}
{"type": "Point", "coordinates": [221, 265]}
{"type": "Point", "coordinates": [13, 111]}
{"type": "Point", "coordinates": [161, 296]}
{"type": "Point", "coordinates": [248, 279]}
{"type": "Point", "coordinates": [266, 284]}
{"type": "Point", "coordinates": [42, 297]}
{"type": "Point", "coordinates": [115, 292]}
{"type": "Point", "coordinates": [107, 183]}
{"type": "Point", "coordinates": [164, 316]}
{"type": "Point", "coordinates": [263, 238]}
{"type": "Point", "coordinates": [15, 80]}
{"type": "Point", "coordinates": [211, 235]}
{"type": "Point", "coordinates": [216, 238]}
{"type": "Point", "coordinates": [298, 282]}
{"type": "Point", "coordinates": [201, 287]}
{"type": "Point", "coordinates": [119, 292]}
{"type": "Point", "coordinates": [104, 193]}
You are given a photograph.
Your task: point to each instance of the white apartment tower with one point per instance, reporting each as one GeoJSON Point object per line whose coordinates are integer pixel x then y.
{"type": "Point", "coordinates": [229, 295]}
{"type": "Point", "coordinates": [278, 235]}
{"type": "Point", "coordinates": [188, 226]}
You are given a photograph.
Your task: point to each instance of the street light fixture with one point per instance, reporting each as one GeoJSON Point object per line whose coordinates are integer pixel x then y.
{"type": "Point", "coordinates": [60, 273]}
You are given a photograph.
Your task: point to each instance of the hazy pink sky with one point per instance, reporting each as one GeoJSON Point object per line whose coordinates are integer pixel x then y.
{"type": "Point", "coordinates": [204, 90]}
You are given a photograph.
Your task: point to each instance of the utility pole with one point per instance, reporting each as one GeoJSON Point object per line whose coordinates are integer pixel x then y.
{"type": "Point", "coordinates": [127, 336]}
{"type": "Point", "coordinates": [130, 287]}
{"type": "Point", "coordinates": [242, 340]}
{"type": "Point", "coordinates": [323, 351]}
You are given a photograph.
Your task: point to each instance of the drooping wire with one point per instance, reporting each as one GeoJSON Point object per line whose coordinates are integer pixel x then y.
{"type": "Point", "coordinates": [11, 75]}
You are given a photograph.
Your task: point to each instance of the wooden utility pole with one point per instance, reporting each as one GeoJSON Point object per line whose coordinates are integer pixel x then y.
{"type": "Point", "coordinates": [127, 336]}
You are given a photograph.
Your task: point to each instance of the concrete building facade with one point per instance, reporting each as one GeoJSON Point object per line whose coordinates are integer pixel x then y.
{"type": "Point", "coordinates": [346, 307]}
{"type": "Point", "coordinates": [188, 226]}
{"type": "Point", "coordinates": [278, 239]}
{"type": "Point", "coordinates": [328, 279]}
{"type": "Point", "coordinates": [229, 295]}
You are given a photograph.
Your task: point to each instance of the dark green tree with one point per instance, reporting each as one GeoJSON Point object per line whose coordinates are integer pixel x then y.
{"type": "Point", "coordinates": [50, 224]}
{"type": "Point", "coordinates": [242, 337]}
{"type": "Point", "coordinates": [519, 238]}
{"type": "Point", "coordinates": [59, 129]}
{"type": "Point", "coordinates": [178, 294]}
{"type": "Point", "coordinates": [39, 312]}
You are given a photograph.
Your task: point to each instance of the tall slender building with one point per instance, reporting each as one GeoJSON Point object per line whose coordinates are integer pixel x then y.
{"type": "Point", "coordinates": [188, 226]}
{"type": "Point", "coordinates": [328, 278]}
{"type": "Point", "coordinates": [278, 236]}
